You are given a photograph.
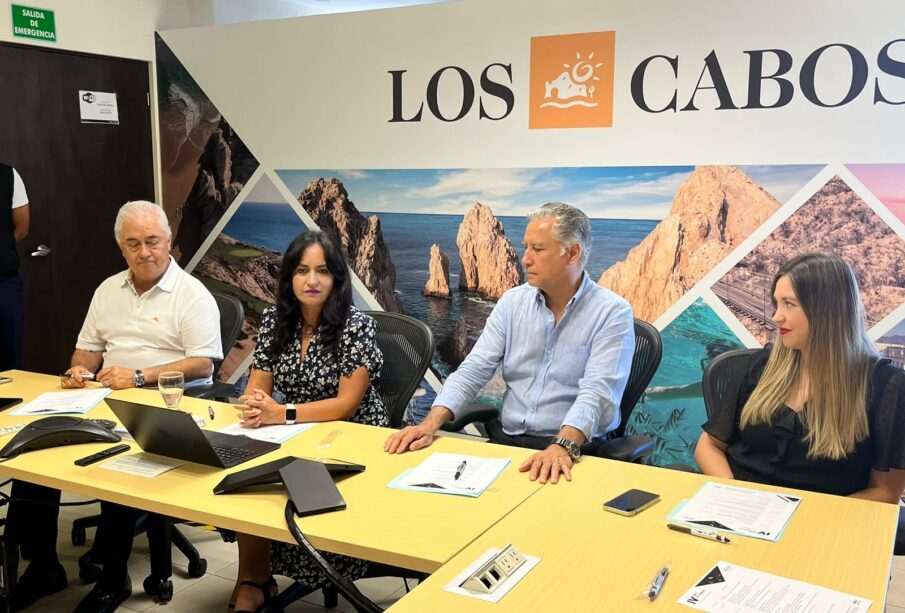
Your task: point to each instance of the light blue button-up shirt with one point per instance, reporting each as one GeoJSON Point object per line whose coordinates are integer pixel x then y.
{"type": "Point", "coordinates": [569, 374]}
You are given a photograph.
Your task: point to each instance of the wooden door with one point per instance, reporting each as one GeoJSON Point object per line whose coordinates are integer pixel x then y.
{"type": "Point", "coordinates": [77, 175]}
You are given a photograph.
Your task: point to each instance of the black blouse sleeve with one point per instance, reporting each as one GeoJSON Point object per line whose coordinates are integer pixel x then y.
{"type": "Point", "coordinates": [722, 424]}
{"type": "Point", "coordinates": [262, 358]}
{"type": "Point", "coordinates": [887, 417]}
{"type": "Point", "coordinates": [358, 346]}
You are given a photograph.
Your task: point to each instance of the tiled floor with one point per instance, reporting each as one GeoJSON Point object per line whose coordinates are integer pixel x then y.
{"type": "Point", "coordinates": [211, 592]}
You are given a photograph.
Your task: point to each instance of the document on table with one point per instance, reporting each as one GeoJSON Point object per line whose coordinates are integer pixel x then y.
{"type": "Point", "coordinates": [273, 434]}
{"type": "Point", "coordinates": [741, 510]}
{"type": "Point", "coordinates": [728, 588]}
{"type": "Point", "coordinates": [141, 464]}
{"type": "Point", "coordinates": [437, 474]}
{"type": "Point", "coordinates": [55, 403]}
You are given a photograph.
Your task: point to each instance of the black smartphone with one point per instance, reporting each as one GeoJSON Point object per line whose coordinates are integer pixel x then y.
{"type": "Point", "coordinates": [631, 502]}
{"type": "Point", "coordinates": [6, 403]}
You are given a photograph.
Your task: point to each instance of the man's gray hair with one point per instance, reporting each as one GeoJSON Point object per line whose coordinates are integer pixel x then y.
{"type": "Point", "coordinates": [571, 226]}
{"type": "Point", "coordinates": [137, 208]}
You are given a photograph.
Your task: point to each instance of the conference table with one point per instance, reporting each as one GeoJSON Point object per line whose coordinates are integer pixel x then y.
{"type": "Point", "coordinates": [590, 559]}
{"type": "Point", "coordinates": [404, 528]}
{"type": "Point", "coordinates": [594, 560]}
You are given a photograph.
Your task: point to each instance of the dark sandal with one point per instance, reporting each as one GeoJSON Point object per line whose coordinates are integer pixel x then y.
{"type": "Point", "coordinates": [271, 602]}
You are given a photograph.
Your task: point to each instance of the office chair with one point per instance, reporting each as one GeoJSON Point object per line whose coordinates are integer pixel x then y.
{"type": "Point", "coordinates": [231, 317]}
{"type": "Point", "coordinates": [627, 448]}
{"type": "Point", "coordinates": [722, 379]}
{"type": "Point", "coordinates": [162, 534]}
{"type": "Point", "coordinates": [407, 345]}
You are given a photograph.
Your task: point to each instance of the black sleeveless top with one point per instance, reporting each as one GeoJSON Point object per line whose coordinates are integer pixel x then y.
{"type": "Point", "coordinates": [776, 453]}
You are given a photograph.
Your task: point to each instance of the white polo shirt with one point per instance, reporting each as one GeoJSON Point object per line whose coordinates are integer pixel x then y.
{"type": "Point", "coordinates": [20, 196]}
{"type": "Point", "coordinates": [174, 320]}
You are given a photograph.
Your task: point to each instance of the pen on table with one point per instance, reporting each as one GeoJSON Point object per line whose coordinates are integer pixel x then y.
{"type": "Point", "coordinates": [656, 584]}
{"type": "Point", "coordinates": [210, 411]}
{"type": "Point", "coordinates": [704, 534]}
{"type": "Point", "coordinates": [460, 470]}
{"type": "Point", "coordinates": [84, 375]}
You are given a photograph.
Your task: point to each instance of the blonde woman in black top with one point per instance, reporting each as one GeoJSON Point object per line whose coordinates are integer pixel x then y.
{"type": "Point", "coordinates": [819, 410]}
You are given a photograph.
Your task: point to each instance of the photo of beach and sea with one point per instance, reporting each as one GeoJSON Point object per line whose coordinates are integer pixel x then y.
{"type": "Point", "coordinates": [656, 232]}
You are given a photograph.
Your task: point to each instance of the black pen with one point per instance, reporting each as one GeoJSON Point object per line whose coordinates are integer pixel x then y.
{"type": "Point", "coordinates": [459, 471]}
{"type": "Point", "coordinates": [210, 411]}
{"type": "Point", "coordinates": [704, 534]}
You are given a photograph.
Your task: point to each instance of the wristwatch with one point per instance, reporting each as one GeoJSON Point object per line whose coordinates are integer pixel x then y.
{"type": "Point", "coordinates": [138, 379]}
{"type": "Point", "coordinates": [290, 414]}
{"type": "Point", "coordinates": [573, 448]}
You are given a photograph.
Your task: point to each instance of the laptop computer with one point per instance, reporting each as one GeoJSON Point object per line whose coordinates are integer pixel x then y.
{"type": "Point", "coordinates": [175, 434]}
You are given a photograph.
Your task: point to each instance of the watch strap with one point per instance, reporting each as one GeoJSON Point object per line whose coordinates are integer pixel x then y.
{"type": "Point", "coordinates": [571, 447]}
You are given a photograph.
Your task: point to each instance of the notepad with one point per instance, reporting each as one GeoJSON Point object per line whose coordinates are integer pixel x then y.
{"type": "Point", "coordinates": [56, 403]}
{"type": "Point", "coordinates": [739, 510]}
{"type": "Point", "coordinates": [437, 475]}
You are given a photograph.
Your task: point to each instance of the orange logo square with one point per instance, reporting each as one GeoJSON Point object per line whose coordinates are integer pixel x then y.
{"type": "Point", "coordinates": [572, 80]}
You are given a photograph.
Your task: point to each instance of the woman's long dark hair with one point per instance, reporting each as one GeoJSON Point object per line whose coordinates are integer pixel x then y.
{"type": "Point", "coordinates": [336, 309]}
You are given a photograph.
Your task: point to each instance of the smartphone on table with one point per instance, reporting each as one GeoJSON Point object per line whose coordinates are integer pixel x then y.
{"type": "Point", "coordinates": [631, 502]}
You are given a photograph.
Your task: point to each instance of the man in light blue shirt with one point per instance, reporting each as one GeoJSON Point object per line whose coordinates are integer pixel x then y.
{"type": "Point", "coordinates": [565, 345]}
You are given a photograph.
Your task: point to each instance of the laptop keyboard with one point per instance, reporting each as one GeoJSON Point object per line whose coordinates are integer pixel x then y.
{"type": "Point", "coordinates": [230, 456]}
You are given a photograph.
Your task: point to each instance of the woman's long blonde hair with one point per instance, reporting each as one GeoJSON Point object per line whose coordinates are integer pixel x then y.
{"type": "Point", "coordinates": [840, 358]}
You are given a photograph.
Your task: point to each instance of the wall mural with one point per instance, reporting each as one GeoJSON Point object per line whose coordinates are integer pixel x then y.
{"type": "Point", "coordinates": [691, 248]}
{"type": "Point", "coordinates": [204, 164]}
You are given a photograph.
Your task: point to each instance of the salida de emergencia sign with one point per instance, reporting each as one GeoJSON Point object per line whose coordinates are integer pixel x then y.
{"type": "Point", "coordinates": [31, 22]}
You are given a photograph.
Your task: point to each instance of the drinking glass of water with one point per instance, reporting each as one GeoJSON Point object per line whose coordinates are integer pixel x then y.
{"type": "Point", "coordinates": [171, 385]}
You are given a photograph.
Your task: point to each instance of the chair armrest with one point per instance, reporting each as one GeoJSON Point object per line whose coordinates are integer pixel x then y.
{"type": "Point", "coordinates": [213, 391]}
{"type": "Point", "coordinates": [473, 413]}
{"type": "Point", "coordinates": [625, 448]}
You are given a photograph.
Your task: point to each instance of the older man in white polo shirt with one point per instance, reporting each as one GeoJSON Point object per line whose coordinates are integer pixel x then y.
{"type": "Point", "coordinates": [149, 319]}
{"type": "Point", "coordinates": [153, 317]}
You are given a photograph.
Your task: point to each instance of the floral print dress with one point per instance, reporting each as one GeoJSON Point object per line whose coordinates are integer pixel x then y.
{"type": "Point", "coordinates": [317, 378]}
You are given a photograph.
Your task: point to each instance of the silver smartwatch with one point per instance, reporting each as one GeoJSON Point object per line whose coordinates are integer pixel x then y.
{"type": "Point", "coordinates": [138, 379]}
{"type": "Point", "coordinates": [573, 448]}
{"type": "Point", "coordinates": [290, 414]}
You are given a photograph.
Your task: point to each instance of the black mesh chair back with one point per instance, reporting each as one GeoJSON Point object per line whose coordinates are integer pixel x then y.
{"type": "Point", "coordinates": [646, 359]}
{"type": "Point", "coordinates": [722, 378]}
{"type": "Point", "coordinates": [407, 345]}
{"type": "Point", "coordinates": [231, 316]}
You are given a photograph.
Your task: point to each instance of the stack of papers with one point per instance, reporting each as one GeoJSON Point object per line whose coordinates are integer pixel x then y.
{"type": "Point", "coordinates": [739, 510]}
{"type": "Point", "coordinates": [55, 403]}
{"type": "Point", "coordinates": [437, 474]}
{"type": "Point", "coordinates": [728, 588]}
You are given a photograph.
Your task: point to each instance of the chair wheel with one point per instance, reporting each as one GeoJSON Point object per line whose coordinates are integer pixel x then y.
{"type": "Point", "coordinates": [166, 591]}
{"type": "Point", "coordinates": [88, 571]}
{"type": "Point", "coordinates": [78, 537]}
{"type": "Point", "coordinates": [159, 589]}
{"type": "Point", "coordinates": [197, 570]}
